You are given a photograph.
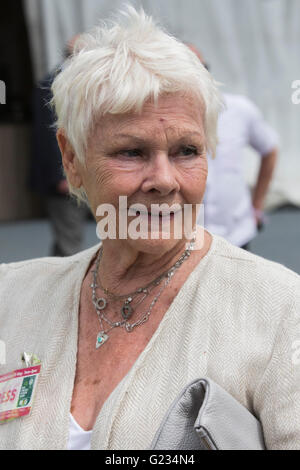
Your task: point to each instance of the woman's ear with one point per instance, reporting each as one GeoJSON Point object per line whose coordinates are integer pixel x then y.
{"type": "Point", "coordinates": [69, 159]}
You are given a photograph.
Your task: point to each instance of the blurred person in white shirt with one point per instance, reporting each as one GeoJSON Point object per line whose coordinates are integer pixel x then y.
{"type": "Point", "coordinates": [231, 211]}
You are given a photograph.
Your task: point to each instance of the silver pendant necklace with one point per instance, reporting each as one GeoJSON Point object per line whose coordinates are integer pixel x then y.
{"type": "Point", "coordinates": [127, 309]}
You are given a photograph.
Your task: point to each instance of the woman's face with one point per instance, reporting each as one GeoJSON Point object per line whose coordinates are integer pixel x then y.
{"type": "Point", "coordinates": [155, 157]}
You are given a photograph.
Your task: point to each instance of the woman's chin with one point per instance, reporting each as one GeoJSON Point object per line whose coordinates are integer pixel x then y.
{"type": "Point", "coordinates": [156, 243]}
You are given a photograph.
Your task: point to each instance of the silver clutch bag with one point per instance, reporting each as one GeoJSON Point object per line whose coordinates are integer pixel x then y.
{"type": "Point", "coordinates": [206, 417]}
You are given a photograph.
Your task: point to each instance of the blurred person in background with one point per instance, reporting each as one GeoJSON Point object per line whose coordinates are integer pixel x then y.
{"type": "Point", "coordinates": [66, 216]}
{"type": "Point", "coordinates": [230, 209]}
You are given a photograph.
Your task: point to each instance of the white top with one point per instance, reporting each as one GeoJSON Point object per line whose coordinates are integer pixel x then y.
{"type": "Point", "coordinates": [79, 439]}
{"type": "Point", "coordinates": [227, 203]}
{"type": "Point", "coordinates": [235, 320]}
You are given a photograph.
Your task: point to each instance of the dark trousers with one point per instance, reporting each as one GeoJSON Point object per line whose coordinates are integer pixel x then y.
{"type": "Point", "coordinates": [246, 247]}
{"type": "Point", "coordinates": [67, 221]}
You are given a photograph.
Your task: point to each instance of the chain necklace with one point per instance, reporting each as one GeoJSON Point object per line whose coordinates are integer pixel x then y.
{"type": "Point", "coordinates": [127, 310]}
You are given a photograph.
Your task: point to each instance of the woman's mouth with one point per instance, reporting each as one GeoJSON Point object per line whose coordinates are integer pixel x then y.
{"type": "Point", "coordinates": [160, 215]}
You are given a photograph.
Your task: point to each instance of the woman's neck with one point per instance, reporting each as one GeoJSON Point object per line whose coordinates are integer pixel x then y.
{"type": "Point", "coordinates": [124, 269]}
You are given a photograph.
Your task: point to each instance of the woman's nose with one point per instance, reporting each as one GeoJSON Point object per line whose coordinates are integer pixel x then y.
{"type": "Point", "coordinates": [160, 175]}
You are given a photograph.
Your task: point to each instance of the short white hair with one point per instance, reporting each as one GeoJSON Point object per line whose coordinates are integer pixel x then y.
{"type": "Point", "coordinates": [119, 66]}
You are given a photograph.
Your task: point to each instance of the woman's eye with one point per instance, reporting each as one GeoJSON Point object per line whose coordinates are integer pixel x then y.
{"type": "Point", "coordinates": [189, 150]}
{"type": "Point", "coordinates": [131, 153]}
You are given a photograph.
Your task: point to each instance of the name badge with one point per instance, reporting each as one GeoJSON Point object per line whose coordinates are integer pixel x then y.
{"type": "Point", "coordinates": [17, 391]}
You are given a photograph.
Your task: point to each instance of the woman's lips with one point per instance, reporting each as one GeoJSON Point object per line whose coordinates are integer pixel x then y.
{"type": "Point", "coordinates": [153, 214]}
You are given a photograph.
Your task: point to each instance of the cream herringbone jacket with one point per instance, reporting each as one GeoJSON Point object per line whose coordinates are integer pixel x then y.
{"type": "Point", "coordinates": [236, 320]}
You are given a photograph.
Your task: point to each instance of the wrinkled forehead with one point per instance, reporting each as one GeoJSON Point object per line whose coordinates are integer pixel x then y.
{"type": "Point", "coordinates": [174, 114]}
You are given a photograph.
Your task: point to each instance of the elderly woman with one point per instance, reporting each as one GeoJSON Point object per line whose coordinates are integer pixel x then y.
{"type": "Point", "coordinates": [121, 328]}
